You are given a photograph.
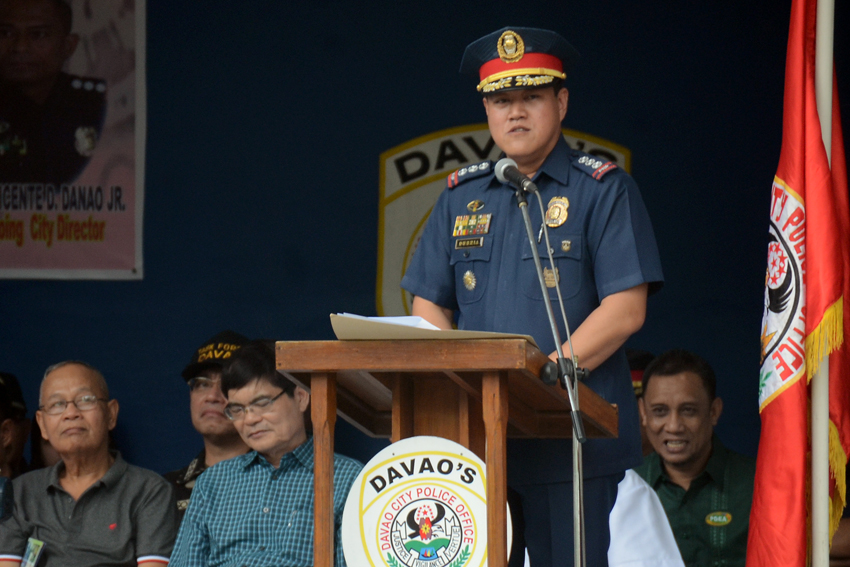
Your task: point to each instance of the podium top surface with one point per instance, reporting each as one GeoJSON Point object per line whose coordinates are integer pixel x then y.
{"type": "Point", "coordinates": [366, 372]}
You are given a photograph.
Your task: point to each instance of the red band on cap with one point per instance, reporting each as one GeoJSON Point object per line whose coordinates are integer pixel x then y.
{"type": "Point", "coordinates": [543, 60]}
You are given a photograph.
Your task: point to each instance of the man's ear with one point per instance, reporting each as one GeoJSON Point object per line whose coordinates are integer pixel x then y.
{"type": "Point", "coordinates": [642, 410]}
{"type": "Point", "coordinates": [7, 432]}
{"type": "Point", "coordinates": [715, 411]}
{"type": "Point", "coordinates": [563, 101]}
{"type": "Point", "coordinates": [112, 413]}
{"type": "Point", "coordinates": [302, 398]}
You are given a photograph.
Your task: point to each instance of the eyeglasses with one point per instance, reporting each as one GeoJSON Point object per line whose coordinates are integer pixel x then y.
{"type": "Point", "coordinates": [82, 403]}
{"type": "Point", "coordinates": [202, 383]}
{"type": "Point", "coordinates": [260, 406]}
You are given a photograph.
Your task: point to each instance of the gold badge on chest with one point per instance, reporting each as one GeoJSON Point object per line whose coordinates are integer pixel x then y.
{"type": "Point", "coordinates": [550, 278]}
{"type": "Point", "coordinates": [469, 280]}
{"type": "Point", "coordinates": [556, 214]}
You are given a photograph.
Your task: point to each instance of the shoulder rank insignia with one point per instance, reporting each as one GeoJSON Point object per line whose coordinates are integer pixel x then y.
{"type": "Point", "coordinates": [470, 172]}
{"type": "Point", "coordinates": [592, 165]}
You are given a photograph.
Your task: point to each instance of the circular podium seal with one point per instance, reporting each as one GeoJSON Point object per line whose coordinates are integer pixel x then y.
{"type": "Point", "coordinates": [421, 502]}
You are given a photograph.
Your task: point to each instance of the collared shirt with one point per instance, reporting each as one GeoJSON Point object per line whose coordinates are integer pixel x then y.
{"type": "Point", "coordinates": [603, 244]}
{"type": "Point", "coordinates": [711, 519]}
{"type": "Point", "coordinates": [124, 518]}
{"type": "Point", "coordinates": [183, 481]}
{"type": "Point", "coordinates": [244, 511]}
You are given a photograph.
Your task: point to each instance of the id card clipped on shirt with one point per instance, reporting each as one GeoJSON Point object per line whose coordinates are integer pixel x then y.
{"type": "Point", "coordinates": [33, 552]}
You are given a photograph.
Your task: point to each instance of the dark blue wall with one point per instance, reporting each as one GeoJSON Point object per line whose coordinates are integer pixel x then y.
{"type": "Point", "coordinates": [265, 122]}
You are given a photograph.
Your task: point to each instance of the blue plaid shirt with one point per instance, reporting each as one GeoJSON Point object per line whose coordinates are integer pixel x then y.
{"type": "Point", "coordinates": [243, 511]}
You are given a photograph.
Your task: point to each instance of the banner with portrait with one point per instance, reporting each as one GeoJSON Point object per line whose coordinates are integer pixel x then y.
{"type": "Point", "coordinates": [72, 139]}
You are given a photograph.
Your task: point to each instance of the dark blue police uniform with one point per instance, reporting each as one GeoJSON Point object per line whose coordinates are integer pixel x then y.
{"type": "Point", "coordinates": [50, 142]}
{"type": "Point", "coordinates": [485, 272]}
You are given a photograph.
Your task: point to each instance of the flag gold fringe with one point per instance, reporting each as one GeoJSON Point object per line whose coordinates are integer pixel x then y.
{"type": "Point", "coordinates": [825, 338]}
{"type": "Point", "coordinates": [837, 464]}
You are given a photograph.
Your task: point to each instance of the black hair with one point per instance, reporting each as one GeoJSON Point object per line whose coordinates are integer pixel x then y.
{"type": "Point", "coordinates": [66, 15]}
{"type": "Point", "coordinates": [254, 361]}
{"type": "Point", "coordinates": [677, 361]}
{"type": "Point", "coordinates": [557, 84]}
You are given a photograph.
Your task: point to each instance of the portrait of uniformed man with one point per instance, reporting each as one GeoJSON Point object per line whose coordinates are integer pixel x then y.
{"type": "Point", "coordinates": [50, 121]}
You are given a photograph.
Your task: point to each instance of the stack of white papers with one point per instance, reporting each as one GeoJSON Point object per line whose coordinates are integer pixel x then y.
{"type": "Point", "coordinates": [349, 327]}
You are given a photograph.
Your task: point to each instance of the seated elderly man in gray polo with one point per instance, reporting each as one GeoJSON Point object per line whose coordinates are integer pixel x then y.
{"type": "Point", "coordinates": [91, 508]}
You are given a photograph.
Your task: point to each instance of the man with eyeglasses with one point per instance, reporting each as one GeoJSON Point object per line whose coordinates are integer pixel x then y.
{"type": "Point", "coordinates": [258, 508]}
{"type": "Point", "coordinates": [206, 405]}
{"type": "Point", "coordinates": [91, 508]}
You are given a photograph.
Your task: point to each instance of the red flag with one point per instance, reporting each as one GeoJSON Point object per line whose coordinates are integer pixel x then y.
{"type": "Point", "coordinates": [804, 320]}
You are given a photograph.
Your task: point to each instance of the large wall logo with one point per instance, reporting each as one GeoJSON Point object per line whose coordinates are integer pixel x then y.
{"type": "Point", "coordinates": [420, 502]}
{"type": "Point", "coordinates": [412, 177]}
{"type": "Point", "coordinates": [783, 359]}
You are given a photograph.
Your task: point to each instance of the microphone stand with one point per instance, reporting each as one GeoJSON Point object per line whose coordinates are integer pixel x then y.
{"type": "Point", "coordinates": [567, 375]}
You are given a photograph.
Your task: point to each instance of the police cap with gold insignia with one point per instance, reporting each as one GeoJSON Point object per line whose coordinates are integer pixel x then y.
{"type": "Point", "coordinates": [518, 58]}
{"type": "Point", "coordinates": [214, 353]}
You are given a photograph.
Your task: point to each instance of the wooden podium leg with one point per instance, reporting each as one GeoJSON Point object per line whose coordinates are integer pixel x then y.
{"type": "Point", "coordinates": [402, 407]}
{"type": "Point", "coordinates": [323, 393]}
{"type": "Point", "coordinates": [494, 390]}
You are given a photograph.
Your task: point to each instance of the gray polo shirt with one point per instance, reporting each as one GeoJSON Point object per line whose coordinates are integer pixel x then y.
{"type": "Point", "coordinates": [124, 518]}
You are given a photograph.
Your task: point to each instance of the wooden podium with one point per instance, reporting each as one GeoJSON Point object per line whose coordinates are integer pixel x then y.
{"type": "Point", "coordinates": [474, 392]}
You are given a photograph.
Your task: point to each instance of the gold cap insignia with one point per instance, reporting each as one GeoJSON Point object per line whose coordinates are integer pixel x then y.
{"type": "Point", "coordinates": [556, 214]}
{"type": "Point", "coordinates": [566, 245]}
{"type": "Point", "coordinates": [474, 206]}
{"type": "Point", "coordinates": [510, 46]}
{"type": "Point", "coordinates": [469, 280]}
{"type": "Point", "coordinates": [551, 278]}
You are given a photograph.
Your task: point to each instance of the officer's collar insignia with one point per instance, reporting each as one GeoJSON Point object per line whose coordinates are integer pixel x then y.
{"type": "Point", "coordinates": [469, 172]}
{"type": "Point", "coordinates": [510, 46]}
{"type": "Point", "coordinates": [556, 214]}
{"type": "Point", "coordinates": [593, 165]}
{"type": "Point", "coordinates": [475, 206]}
{"type": "Point", "coordinates": [469, 280]}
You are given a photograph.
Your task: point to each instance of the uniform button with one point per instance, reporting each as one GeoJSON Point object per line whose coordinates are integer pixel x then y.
{"type": "Point", "coordinates": [265, 510]}
{"type": "Point", "coordinates": [466, 254]}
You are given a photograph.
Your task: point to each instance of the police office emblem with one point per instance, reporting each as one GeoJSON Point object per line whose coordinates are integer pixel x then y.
{"type": "Point", "coordinates": [421, 502]}
{"type": "Point", "coordinates": [510, 46]}
{"type": "Point", "coordinates": [783, 322]}
{"type": "Point", "coordinates": [556, 213]}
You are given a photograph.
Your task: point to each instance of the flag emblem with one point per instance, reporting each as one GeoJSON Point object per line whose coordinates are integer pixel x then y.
{"type": "Point", "coordinates": [783, 328]}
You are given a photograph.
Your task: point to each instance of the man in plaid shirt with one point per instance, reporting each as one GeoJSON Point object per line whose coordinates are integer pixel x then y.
{"type": "Point", "coordinates": [257, 509]}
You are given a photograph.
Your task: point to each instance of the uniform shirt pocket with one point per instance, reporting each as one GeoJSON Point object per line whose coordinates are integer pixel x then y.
{"type": "Point", "coordinates": [471, 262]}
{"type": "Point", "coordinates": [567, 254]}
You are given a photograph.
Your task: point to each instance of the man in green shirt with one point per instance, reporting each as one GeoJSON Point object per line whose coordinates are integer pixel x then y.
{"type": "Point", "coordinates": [705, 488]}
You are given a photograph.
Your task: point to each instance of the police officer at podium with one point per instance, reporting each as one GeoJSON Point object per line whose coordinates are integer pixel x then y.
{"type": "Point", "coordinates": [474, 265]}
